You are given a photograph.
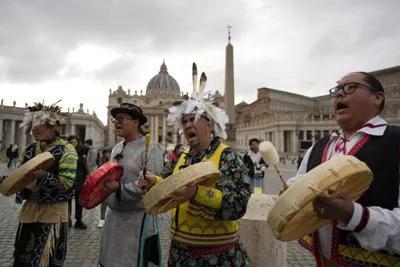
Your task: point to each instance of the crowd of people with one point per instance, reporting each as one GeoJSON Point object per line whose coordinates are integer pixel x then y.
{"type": "Point", "coordinates": [205, 227]}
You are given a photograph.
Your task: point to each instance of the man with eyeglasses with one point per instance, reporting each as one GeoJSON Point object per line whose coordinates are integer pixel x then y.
{"type": "Point", "coordinates": [130, 236]}
{"type": "Point", "coordinates": [366, 232]}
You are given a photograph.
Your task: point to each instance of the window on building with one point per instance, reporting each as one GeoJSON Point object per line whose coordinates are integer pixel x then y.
{"type": "Point", "coordinates": [317, 135]}
{"type": "Point", "coordinates": [301, 135]}
{"type": "Point", "coordinates": [119, 100]}
{"type": "Point", "coordinates": [287, 145]}
{"type": "Point", "coordinates": [309, 135]}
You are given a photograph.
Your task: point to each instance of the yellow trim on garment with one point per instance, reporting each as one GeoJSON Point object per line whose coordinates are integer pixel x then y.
{"type": "Point", "coordinates": [199, 230]}
{"type": "Point", "coordinates": [368, 257]}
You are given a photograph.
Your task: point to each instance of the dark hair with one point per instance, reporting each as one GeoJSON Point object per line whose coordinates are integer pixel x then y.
{"type": "Point", "coordinates": [89, 142]}
{"type": "Point", "coordinates": [254, 140]}
{"type": "Point", "coordinates": [80, 149]}
{"type": "Point", "coordinates": [72, 137]}
{"type": "Point", "coordinates": [106, 149]}
{"type": "Point", "coordinates": [376, 85]}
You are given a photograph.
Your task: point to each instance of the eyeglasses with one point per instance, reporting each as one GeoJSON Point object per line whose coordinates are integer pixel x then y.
{"type": "Point", "coordinates": [119, 119]}
{"type": "Point", "coordinates": [348, 88]}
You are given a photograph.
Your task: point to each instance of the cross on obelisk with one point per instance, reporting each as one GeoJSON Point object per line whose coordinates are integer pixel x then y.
{"type": "Point", "coordinates": [229, 32]}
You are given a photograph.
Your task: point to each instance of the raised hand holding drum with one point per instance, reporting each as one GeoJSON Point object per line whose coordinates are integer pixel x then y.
{"type": "Point", "coordinates": [22, 176]}
{"type": "Point", "coordinates": [293, 215]}
{"type": "Point", "coordinates": [160, 197]}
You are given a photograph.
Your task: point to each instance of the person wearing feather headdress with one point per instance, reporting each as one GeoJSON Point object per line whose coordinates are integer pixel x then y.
{"type": "Point", "coordinates": [205, 227]}
{"type": "Point", "coordinates": [41, 238]}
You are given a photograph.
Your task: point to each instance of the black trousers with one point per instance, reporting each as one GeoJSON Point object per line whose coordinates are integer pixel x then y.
{"type": "Point", "coordinates": [78, 207]}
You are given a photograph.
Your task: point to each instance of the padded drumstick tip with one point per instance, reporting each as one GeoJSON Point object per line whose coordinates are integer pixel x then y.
{"type": "Point", "coordinates": [269, 153]}
{"type": "Point", "coordinates": [148, 139]}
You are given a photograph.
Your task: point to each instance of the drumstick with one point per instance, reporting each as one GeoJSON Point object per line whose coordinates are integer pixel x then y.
{"type": "Point", "coordinates": [270, 155]}
{"type": "Point", "coordinates": [285, 186]}
{"type": "Point", "coordinates": [146, 148]}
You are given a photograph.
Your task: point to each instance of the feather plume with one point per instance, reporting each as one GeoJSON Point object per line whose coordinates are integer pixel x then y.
{"type": "Point", "coordinates": [203, 81]}
{"type": "Point", "coordinates": [200, 107]}
{"type": "Point", "coordinates": [194, 77]}
{"type": "Point", "coordinates": [39, 113]}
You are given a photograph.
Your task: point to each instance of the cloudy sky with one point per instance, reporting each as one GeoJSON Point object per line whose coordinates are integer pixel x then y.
{"type": "Point", "coordinates": [76, 50]}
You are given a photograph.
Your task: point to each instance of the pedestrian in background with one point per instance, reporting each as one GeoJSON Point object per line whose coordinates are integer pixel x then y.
{"type": "Point", "coordinates": [92, 155]}
{"type": "Point", "coordinates": [255, 164]}
{"type": "Point", "coordinates": [177, 150]}
{"type": "Point", "coordinates": [82, 171]}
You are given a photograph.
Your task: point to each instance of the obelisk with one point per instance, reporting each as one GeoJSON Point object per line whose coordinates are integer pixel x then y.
{"type": "Point", "coordinates": [229, 98]}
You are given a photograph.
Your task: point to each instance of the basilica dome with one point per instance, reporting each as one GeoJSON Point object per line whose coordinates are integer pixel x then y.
{"type": "Point", "coordinates": [163, 83]}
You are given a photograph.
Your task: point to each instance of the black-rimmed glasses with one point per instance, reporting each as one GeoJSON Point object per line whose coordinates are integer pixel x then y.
{"type": "Point", "coordinates": [348, 88]}
{"type": "Point", "coordinates": [119, 119]}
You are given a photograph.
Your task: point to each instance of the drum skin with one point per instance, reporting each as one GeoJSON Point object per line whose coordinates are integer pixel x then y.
{"type": "Point", "coordinates": [293, 215]}
{"type": "Point", "coordinates": [22, 176]}
{"type": "Point", "coordinates": [160, 197]}
{"type": "Point", "coordinates": [93, 193]}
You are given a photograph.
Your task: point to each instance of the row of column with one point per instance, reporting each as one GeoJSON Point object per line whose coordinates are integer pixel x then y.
{"type": "Point", "coordinates": [10, 133]}
{"type": "Point", "coordinates": [154, 129]}
{"type": "Point", "coordinates": [290, 139]}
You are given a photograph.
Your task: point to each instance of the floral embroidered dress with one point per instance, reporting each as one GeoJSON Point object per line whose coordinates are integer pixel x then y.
{"type": "Point", "coordinates": [205, 229]}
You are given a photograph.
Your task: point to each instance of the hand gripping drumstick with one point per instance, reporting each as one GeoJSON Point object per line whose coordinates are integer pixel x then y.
{"type": "Point", "coordinates": [146, 148]}
{"type": "Point", "coordinates": [270, 155]}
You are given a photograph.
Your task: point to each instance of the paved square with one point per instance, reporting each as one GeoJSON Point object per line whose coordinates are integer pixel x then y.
{"type": "Point", "coordinates": [83, 245]}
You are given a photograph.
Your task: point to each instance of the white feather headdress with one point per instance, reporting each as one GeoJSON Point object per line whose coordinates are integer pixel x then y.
{"type": "Point", "coordinates": [39, 114]}
{"type": "Point", "coordinates": [200, 107]}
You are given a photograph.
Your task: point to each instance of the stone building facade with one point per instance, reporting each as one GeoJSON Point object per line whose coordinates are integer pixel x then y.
{"type": "Point", "coordinates": [162, 92]}
{"type": "Point", "coordinates": [293, 122]}
{"type": "Point", "coordinates": [80, 123]}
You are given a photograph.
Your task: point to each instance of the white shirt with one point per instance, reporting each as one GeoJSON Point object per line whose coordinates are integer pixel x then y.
{"type": "Point", "coordinates": [255, 157]}
{"type": "Point", "coordinates": [383, 227]}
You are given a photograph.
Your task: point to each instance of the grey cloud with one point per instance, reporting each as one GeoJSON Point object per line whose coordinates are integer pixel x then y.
{"type": "Point", "coordinates": [304, 46]}
{"type": "Point", "coordinates": [37, 35]}
{"type": "Point", "coordinates": [117, 69]}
